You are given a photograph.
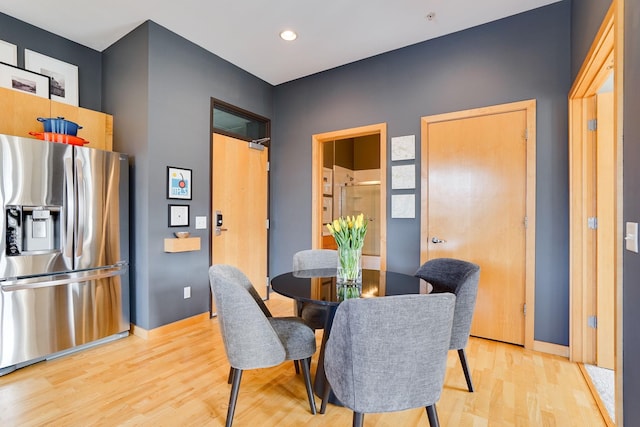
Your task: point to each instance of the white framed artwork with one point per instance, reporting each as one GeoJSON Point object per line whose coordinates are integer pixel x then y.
{"type": "Point", "coordinates": [327, 181]}
{"type": "Point", "coordinates": [64, 76]}
{"type": "Point", "coordinates": [178, 215]}
{"type": "Point", "coordinates": [403, 177]}
{"type": "Point", "coordinates": [8, 53]}
{"type": "Point", "coordinates": [24, 80]}
{"type": "Point", "coordinates": [403, 147]}
{"type": "Point", "coordinates": [327, 210]}
{"type": "Point", "coordinates": [403, 206]}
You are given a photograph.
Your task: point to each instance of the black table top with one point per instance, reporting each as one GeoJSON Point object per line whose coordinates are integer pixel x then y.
{"type": "Point", "coordinates": [319, 286]}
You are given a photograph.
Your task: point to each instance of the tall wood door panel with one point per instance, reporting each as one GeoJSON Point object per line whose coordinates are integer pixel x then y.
{"type": "Point", "coordinates": [240, 194]}
{"type": "Point", "coordinates": [475, 183]}
{"type": "Point", "coordinates": [605, 246]}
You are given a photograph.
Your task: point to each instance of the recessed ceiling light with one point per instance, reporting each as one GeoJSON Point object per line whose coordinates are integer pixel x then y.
{"type": "Point", "coordinates": [288, 35]}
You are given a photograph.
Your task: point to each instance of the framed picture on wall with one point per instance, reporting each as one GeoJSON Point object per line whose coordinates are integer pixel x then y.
{"type": "Point", "coordinates": [327, 210]}
{"type": "Point", "coordinates": [327, 181]}
{"type": "Point", "coordinates": [64, 76]}
{"type": "Point", "coordinates": [178, 215]}
{"type": "Point", "coordinates": [8, 53]}
{"type": "Point", "coordinates": [178, 183]}
{"type": "Point", "coordinates": [24, 80]}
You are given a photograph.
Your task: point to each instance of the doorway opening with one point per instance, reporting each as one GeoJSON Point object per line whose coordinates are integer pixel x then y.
{"type": "Point", "coordinates": [351, 185]}
{"type": "Point", "coordinates": [595, 165]}
{"type": "Point", "coordinates": [349, 177]}
{"type": "Point", "coordinates": [239, 167]}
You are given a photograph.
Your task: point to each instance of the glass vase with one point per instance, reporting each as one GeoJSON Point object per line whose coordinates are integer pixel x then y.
{"type": "Point", "coordinates": [349, 275]}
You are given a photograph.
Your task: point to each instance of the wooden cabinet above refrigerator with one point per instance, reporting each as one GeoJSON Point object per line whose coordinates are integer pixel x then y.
{"type": "Point", "coordinates": [19, 112]}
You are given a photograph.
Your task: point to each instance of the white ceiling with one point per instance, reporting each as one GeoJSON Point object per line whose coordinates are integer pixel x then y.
{"type": "Point", "coordinates": [245, 32]}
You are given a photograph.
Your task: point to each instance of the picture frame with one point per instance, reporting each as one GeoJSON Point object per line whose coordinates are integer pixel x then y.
{"type": "Point", "coordinates": [8, 53]}
{"type": "Point", "coordinates": [403, 148]}
{"type": "Point", "coordinates": [178, 215]}
{"type": "Point", "coordinates": [24, 80]}
{"type": "Point", "coordinates": [63, 76]}
{"type": "Point", "coordinates": [327, 210]}
{"type": "Point", "coordinates": [178, 183]}
{"type": "Point", "coordinates": [403, 177]}
{"type": "Point", "coordinates": [327, 181]}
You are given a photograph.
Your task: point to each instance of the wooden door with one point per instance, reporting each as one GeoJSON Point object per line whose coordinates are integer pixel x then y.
{"type": "Point", "coordinates": [240, 192]}
{"type": "Point", "coordinates": [474, 176]}
{"type": "Point", "coordinates": [605, 245]}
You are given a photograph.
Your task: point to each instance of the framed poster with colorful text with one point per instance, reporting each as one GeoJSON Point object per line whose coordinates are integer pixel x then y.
{"type": "Point", "coordinates": [178, 183]}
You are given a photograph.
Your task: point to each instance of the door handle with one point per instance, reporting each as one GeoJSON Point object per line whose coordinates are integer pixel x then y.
{"type": "Point", "coordinates": [219, 228]}
{"type": "Point", "coordinates": [436, 240]}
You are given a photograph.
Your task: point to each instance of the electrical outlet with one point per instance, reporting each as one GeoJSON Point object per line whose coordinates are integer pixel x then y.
{"type": "Point", "coordinates": [187, 292]}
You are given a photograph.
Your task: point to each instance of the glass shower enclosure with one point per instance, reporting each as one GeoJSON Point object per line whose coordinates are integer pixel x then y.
{"type": "Point", "coordinates": [364, 197]}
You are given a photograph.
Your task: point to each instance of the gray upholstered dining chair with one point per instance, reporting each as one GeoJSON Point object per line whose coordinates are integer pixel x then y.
{"type": "Point", "coordinates": [309, 259]}
{"type": "Point", "coordinates": [460, 278]}
{"type": "Point", "coordinates": [389, 354]}
{"type": "Point", "coordinates": [252, 338]}
{"type": "Point", "coordinates": [239, 277]}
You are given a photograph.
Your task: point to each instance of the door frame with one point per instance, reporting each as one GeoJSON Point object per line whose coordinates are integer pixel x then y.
{"type": "Point", "coordinates": [530, 200]}
{"type": "Point", "coordinates": [235, 110]}
{"type": "Point", "coordinates": [606, 51]}
{"type": "Point", "coordinates": [316, 181]}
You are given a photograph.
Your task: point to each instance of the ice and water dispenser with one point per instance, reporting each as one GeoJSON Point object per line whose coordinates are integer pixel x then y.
{"type": "Point", "coordinates": [32, 229]}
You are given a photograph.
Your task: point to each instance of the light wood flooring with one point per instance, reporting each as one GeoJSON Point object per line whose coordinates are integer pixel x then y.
{"type": "Point", "coordinates": [180, 379]}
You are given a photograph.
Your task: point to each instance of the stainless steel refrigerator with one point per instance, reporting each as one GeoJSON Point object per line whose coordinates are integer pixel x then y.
{"type": "Point", "coordinates": [63, 249]}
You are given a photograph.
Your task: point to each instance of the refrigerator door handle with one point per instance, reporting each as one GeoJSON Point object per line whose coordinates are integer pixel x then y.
{"type": "Point", "coordinates": [62, 279]}
{"type": "Point", "coordinates": [68, 178]}
{"type": "Point", "coordinates": [81, 207]}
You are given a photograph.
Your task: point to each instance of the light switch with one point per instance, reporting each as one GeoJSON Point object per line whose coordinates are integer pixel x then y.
{"type": "Point", "coordinates": [631, 237]}
{"type": "Point", "coordinates": [201, 222]}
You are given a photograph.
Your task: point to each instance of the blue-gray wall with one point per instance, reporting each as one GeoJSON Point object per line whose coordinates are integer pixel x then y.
{"type": "Point", "coordinates": [159, 86]}
{"type": "Point", "coordinates": [631, 212]}
{"type": "Point", "coordinates": [586, 18]}
{"type": "Point", "coordinates": [522, 57]}
{"type": "Point", "coordinates": [89, 61]}
{"type": "Point", "coordinates": [128, 89]}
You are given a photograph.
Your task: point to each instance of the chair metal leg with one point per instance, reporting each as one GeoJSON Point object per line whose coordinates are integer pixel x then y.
{"type": "Point", "coordinates": [230, 375]}
{"type": "Point", "coordinates": [325, 395]}
{"type": "Point", "coordinates": [465, 369]}
{"type": "Point", "coordinates": [433, 416]}
{"type": "Point", "coordinates": [358, 419]}
{"type": "Point", "coordinates": [307, 383]}
{"type": "Point", "coordinates": [297, 366]}
{"type": "Point", "coordinates": [233, 398]}
{"type": "Point", "coordinates": [299, 305]}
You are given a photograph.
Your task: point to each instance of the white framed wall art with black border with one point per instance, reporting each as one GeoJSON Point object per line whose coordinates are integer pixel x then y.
{"type": "Point", "coordinates": [178, 215]}
{"type": "Point", "coordinates": [24, 80]}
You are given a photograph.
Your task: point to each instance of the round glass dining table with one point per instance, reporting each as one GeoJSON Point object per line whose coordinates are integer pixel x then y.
{"type": "Point", "coordinates": [319, 287]}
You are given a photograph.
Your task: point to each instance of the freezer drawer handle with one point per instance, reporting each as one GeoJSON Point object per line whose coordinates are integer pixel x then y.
{"type": "Point", "coordinates": [63, 280]}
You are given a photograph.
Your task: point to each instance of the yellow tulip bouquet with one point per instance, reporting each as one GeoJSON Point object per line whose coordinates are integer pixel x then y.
{"type": "Point", "coordinates": [349, 233]}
